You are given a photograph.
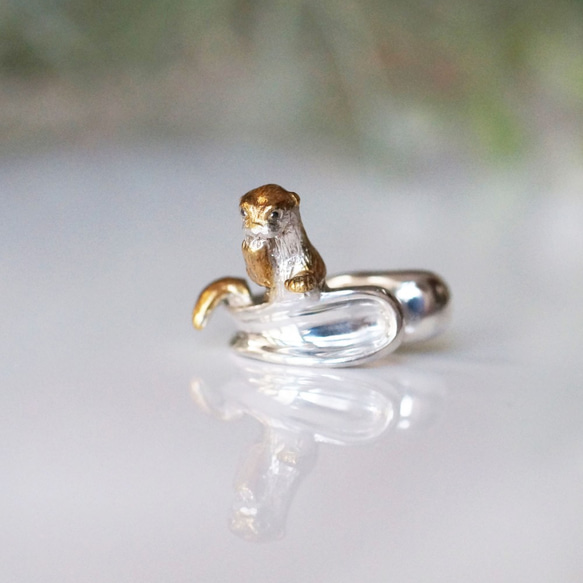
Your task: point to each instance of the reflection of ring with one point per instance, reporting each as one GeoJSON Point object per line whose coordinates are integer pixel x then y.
{"type": "Point", "coordinates": [299, 408]}
{"type": "Point", "coordinates": [309, 320]}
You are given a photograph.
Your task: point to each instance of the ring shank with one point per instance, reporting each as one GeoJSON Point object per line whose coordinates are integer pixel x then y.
{"type": "Point", "coordinates": [424, 298]}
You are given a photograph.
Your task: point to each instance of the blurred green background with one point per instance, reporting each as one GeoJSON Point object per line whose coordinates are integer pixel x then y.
{"type": "Point", "coordinates": [392, 77]}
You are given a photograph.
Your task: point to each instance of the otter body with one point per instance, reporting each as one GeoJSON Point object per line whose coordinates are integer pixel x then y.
{"type": "Point", "coordinates": [276, 249]}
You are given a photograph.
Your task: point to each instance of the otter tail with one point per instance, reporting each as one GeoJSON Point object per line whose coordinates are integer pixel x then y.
{"type": "Point", "coordinates": [233, 290]}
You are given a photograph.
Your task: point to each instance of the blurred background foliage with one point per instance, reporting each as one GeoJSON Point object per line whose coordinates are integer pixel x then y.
{"type": "Point", "coordinates": [397, 75]}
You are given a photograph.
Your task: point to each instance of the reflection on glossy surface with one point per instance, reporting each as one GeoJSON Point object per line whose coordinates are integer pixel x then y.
{"type": "Point", "coordinates": [299, 408]}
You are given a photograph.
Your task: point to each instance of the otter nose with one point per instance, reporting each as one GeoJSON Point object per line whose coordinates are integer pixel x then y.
{"type": "Point", "coordinates": [253, 227]}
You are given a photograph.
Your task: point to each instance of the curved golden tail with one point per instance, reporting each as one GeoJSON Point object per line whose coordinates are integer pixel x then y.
{"type": "Point", "coordinates": [233, 290]}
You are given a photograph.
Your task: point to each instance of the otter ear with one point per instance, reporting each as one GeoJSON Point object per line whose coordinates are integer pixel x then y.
{"type": "Point", "coordinates": [296, 198]}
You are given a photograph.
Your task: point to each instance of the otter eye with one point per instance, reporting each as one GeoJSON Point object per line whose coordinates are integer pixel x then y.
{"type": "Point", "coordinates": [275, 215]}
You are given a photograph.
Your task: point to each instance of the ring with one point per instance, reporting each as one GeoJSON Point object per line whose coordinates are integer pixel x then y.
{"type": "Point", "coordinates": [305, 318]}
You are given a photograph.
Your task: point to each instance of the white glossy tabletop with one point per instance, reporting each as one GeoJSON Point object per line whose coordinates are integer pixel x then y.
{"type": "Point", "coordinates": [132, 445]}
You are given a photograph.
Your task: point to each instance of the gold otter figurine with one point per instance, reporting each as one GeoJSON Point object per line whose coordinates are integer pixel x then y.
{"type": "Point", "coordinates": [277, 252]}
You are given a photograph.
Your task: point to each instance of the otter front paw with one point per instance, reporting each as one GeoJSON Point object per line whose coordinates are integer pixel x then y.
{"type": "Point", "coordinates": [301, 284]}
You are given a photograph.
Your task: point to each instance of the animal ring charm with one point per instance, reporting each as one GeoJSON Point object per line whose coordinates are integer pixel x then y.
{"type": "Point", "coordinates": [305, 318]}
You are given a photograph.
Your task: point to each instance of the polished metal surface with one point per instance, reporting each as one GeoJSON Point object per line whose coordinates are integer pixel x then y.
{"type": "Point", "coordinates": [340, 327]}
{"type": "Point", "coordinates": [363, 316]}
{"type": "Point", "coordinates": [423, 296]}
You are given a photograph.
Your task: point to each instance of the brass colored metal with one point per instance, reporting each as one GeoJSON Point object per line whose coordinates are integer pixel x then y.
{"type": "Point", "coordinates": [276, 248]}
{"type": "Point", "coordinates": [232, 290]}
{"type": "Point", "coordinates": [259, 267]}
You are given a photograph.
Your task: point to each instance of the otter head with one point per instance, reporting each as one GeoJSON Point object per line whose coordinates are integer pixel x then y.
{"type": "Point", "coordinates": [268, 210]}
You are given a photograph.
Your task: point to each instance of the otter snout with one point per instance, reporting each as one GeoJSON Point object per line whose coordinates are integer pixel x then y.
{"type": "Point", "coordinates": [256, 230]}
